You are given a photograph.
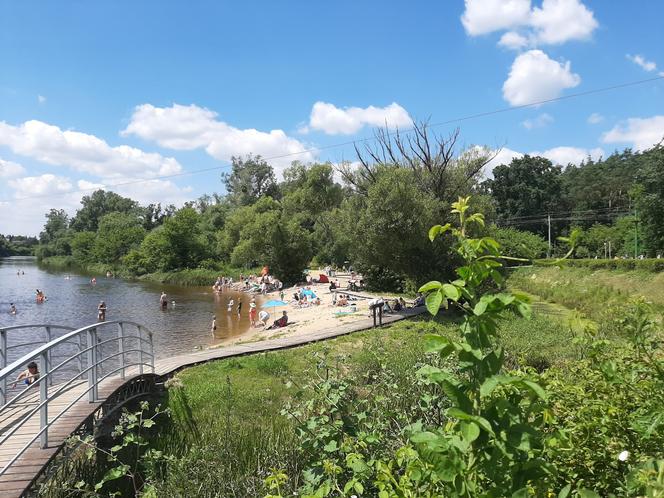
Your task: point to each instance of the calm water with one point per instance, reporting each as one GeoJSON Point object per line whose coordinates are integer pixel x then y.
{"type": "Point", "coordinates": [180, 329]}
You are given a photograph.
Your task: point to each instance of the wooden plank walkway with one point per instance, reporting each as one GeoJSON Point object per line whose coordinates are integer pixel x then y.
{"type": "Point", "coordinates": [17, 479]}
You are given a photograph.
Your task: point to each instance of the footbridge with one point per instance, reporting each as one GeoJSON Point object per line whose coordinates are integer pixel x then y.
{"type": "Point", "coordinates": [85, 375]}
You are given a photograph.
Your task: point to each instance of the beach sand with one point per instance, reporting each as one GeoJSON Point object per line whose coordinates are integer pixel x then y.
{"type": "Point", "coordinates": [309, 319]}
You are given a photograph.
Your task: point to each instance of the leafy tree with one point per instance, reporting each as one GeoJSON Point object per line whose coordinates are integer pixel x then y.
{"type": "Point", "coordinates": [310, 190]}
{"type": "Point", "coordinates": [99, 204]}
{"type": "Point", "coordinates": [650, 200]}
{"type": "Point", "coordinates": [153, 215]}
{"type": "Point", "coordinates": [57, 222]}
{"type": "Point", "coordinates": [249, 180]}
{"type": "Point", "coordinates": [82, 246]}
{"type": "Point", "coordinates": [117, 234]}
{"type": "Point", "coordinates": [519, 244]}
{"type": "Point", "coordinates": [527, 186]}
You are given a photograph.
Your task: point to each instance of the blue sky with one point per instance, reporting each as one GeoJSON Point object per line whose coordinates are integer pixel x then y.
{"type": "Point", "coordinates": [102, 93]}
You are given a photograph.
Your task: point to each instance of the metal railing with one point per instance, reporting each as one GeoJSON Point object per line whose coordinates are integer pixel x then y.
{"type": "Point", "coordinates": [98, 353]}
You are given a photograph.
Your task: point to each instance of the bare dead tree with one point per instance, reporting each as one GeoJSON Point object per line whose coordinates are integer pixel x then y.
{"type": "Point", "coordinates": [431, 158]}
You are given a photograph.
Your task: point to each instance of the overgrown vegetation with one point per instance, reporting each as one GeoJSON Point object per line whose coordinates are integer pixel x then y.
{"type": "Point", "coordinates": [432, 407]}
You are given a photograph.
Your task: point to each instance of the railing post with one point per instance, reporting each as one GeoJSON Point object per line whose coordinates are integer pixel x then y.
{"type": "Point", "coordinates": [80, 355]}
{"type": "Point", "coordinates": [43, 399]}
{"type": "Point", "coordinates": [48, 356]}
{"type": "Point", "coordinates": [92, 365]}
{"type": "Point", "coordinates": [151, 350]}
{"type": "Point", "coordinates": [140, 351]}
{"type": "Point", "coordinates": [121, 349]}
{"type": "Point", "coordinates": [3, 364]}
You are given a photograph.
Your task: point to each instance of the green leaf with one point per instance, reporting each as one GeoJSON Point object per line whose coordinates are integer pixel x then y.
{"type": "Point", "coordinates": [434, 343]}
{"type": "Point", "coordinates": [429, 286]}
{"type": "Point", "coordinates": [111, 475]}
{"type": "Point", "coordinates": [433, 301]}
{"type": "Point", "coordinates": [451, 292]}
{"type": "Point", "coordinates": [461, 415]}
{"type": "Point", "coordinates": [535, 388]}
{"type": "Point", "coordinates": [587, 493]}
{"type": "Point", "coordinates": [564, 493]}
{"type": "Point", "coordinates": [148, 422]}
{"type": "Point", "coordinates": [521, 493]}
{"type": "Point", "coordinates": [494, 381]}
{"type": "Point", "coordinates": [331, 446]}
{"type": "Point", "coordinates": [480, 307]}
{"type": "Point", "coordinates": [437, 230]}
{"type": "Point", "coordinates": [470, 431]}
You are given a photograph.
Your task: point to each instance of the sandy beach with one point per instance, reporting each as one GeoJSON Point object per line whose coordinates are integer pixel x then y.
{"type": "Point", "coordinates": [311, 318]}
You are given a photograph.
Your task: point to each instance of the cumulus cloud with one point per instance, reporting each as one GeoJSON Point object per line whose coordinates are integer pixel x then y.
{"type": "Point", "coordinates": [559, 21]}
{"type": "Point", "coordinates": [9, 169]}
{"type": "Point", "coordinates": [191, 127]}
{"type": "Point", "coordinates": [513, 40]}
{"type": "Point", "coordinates": [595, 118]}
{"type": "Point", "coordinates": [570, 155]}
{"type": "Point", "coordinates": [641, 61]}
{"type": "Point", "coordinates": [641, 133]}
{"type": "Point", "coordinates": [485, 16]}
{"type": "Point", "coordinates": [555, 22]}
{"type": "Point", "coordinates": [540, 121]}
{"type": "Point", "coordinates": [45, 184]}
{"type": "Point", "coordinates": [502, 156]}
{"type": "Point", "coordinates": [82, 152]}
{"type": "Point", "coordinates": [336, 121]}
{"type": "Point", "coordinates": [535, 77]}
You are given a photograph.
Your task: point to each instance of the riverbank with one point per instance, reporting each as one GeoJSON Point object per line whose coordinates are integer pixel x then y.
{"type": "Point", "coordinates": [187, 277]}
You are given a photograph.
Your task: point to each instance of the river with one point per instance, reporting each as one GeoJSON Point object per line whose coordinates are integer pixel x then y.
{"type": "Point", "coordinates": [73, 301]}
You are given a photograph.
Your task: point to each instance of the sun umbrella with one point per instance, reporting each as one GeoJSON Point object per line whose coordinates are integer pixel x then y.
{"type": "Point", "coordinates": [273, 303]}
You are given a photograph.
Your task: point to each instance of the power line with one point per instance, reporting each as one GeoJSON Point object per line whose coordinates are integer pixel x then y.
{"type": "Point", "coordinates": [361, 140]}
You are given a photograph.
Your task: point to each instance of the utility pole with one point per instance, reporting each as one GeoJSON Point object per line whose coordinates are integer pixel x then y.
{"type": "Point", "coordinates": [548, 221]}
{"type": "Point", "coordinates": [605, 253]}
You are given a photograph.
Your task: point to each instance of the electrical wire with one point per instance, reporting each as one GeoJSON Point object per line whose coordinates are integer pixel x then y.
{"type": "Point", "coordinates": [361, 140]}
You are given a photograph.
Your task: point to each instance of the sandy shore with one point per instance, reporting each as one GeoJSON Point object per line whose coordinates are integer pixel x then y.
{"type": "Point", "coordinates": [309, 319]}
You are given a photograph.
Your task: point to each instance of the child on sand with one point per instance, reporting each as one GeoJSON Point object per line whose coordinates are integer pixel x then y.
{"type": "Point", "coordinates": [252, 314]}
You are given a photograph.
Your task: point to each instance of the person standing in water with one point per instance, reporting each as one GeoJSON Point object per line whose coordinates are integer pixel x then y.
{"type": "Point", "coordinates": [163, 300]}
{"type": "Point", "coordinates": [12, 309]}
{"type": "Point", "coordinates": [101, 311]}
{"type": "Point", "coordinates": [239, 307]}
{"type": "Point", "coordinates": [213, 328]}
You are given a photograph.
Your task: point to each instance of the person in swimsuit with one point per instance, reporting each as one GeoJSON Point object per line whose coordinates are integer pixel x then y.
{"type": "Point", "coordinates": [163, 300]}
{"type": "Point", "coordinates": [230, 305]}
{"type": "Point", "coordinates": [29, 375]}
{"type": "Point", "coordinates": [101, 311]}
{"type": "Point", "coordinates": [239, 307]}
{"type": "Point", "coordinates": [12, 309]}
{"type": "Point", "coordinates": [252, 313]}
{"type": "Point", "coordinates": [214, 324]}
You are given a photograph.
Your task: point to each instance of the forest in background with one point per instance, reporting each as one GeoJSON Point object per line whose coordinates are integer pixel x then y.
{"type": "Point", "coordinates": [374, 215]}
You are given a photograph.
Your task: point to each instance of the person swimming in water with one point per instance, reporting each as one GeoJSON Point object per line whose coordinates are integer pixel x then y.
{"type": "Point", "coordinates": [12, 309]}
{"type": "Point", "coordinates": [40, 296]}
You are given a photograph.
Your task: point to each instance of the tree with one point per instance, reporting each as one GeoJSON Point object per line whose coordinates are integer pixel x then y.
{"type": "Point", "coordinates": [650, 200]}
{"type": "Point", "coordinates": [519, 244]}
{"type": "Point", "coordinates": [527, 187]}
{"type": "Point", "coordinates": [82, 246]}
{"type": "Point", "coordinates": [433, 160]}
{"type": "Point", "coordinates": [249, 180]}
{"type": "Point", "coordinates": [99, 204]}
{"type": "Point", "coordinates": [57, 222]}
{"type": "Point", "coordinates": [117, 234]}
{"type": "Point", "coordinates": [153, 215]}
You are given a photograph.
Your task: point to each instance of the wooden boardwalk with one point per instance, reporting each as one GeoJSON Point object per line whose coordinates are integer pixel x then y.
{"type": "Point", "coordinates": [18, 478]}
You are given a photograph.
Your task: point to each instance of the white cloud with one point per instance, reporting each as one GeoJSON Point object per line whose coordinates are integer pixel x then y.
{"type": "Point", "coordinates": [9, 169]}
{"type": "Point", "coordinates": [191, 127]}
{"type": "Point", "coordinates": [502, 156]}
{"type": "Point", "coordinates": [595, 118]}
{"type": "Point", "coordinates": [335, 121]}
{"type": "Point", "coordinates": [485, 16]}
{"type": "Point", "coordinates": [559, 21]}
{"type": "Point", "coordinates": [639, 60]}
{"type": "Point", "coordinates": [46, 184]}
{"type": "Point", "coordinates": [535, 77]}
{"type": "Point", "coordinates": [642, 133]}
{"type": "Point", "coordinates": [513, 40]}
{"type": "Point", "coordinates": [41, 99]}
{"type": "Point", "coordinates": [555, 22]}
{"type": "Point", "coordinates": [83, 152]}
{"type": "Point", "coordinates": [540, 121]}
{"type": "Point", "coordinates": [569, 155]}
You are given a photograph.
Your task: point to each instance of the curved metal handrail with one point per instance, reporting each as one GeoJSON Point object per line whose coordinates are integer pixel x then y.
{"type": "Point", "coordinates": [95, 358]}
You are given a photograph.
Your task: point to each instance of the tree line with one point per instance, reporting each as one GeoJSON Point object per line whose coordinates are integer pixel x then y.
{"type": "Point", "coordinates": [374, 216]}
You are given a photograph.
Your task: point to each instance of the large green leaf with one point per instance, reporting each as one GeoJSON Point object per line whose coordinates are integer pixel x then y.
{"type": "Point", "coordinates": [437, 230]}
{"type": "Point", "coordinates": [429, 286]}
{"type": "Point", "coordinates": [462, 415]}
{"type": "Point", "coordinates": [433, 302]}
{"type": "Point", "coordinates": [451, 292]}
{"type": "Point", "coordinates": [470, 431]}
